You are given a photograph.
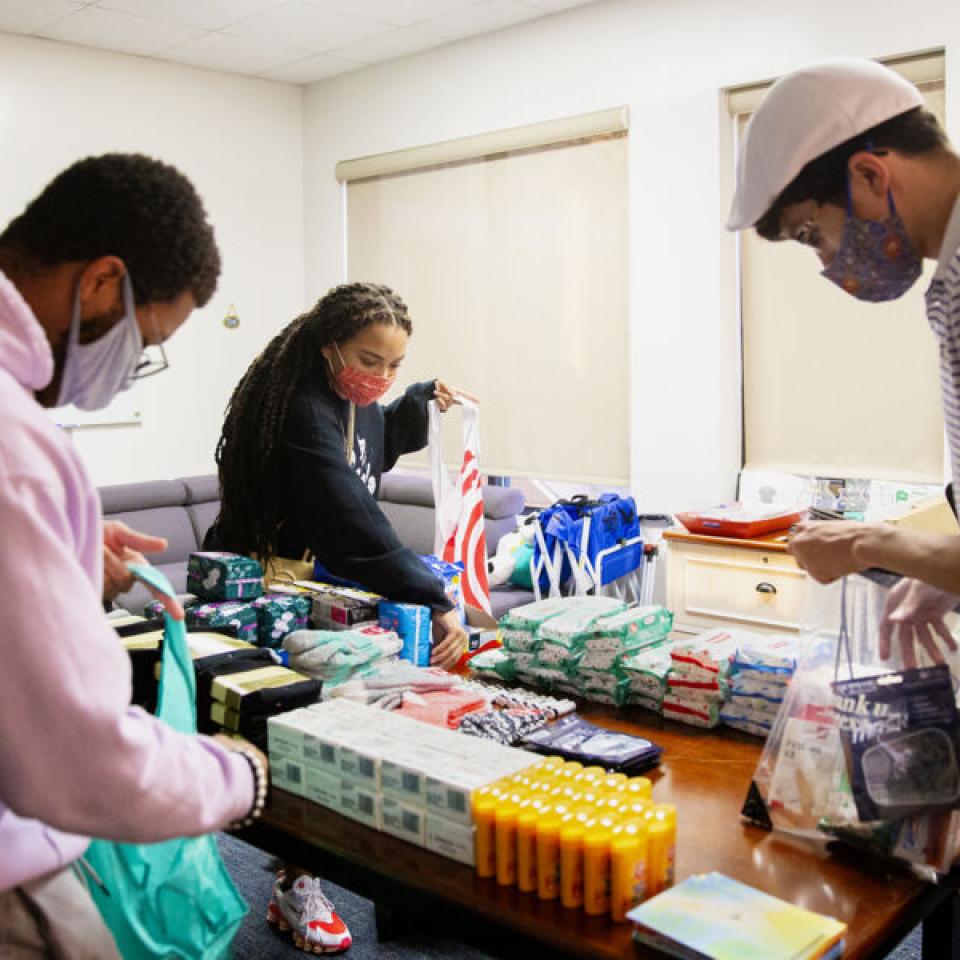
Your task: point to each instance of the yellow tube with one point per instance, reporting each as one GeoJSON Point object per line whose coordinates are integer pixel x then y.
{"type": "Point", "coordinates": [639, 788]}
{"type": "Point", "coordinates": [628, 868]}
{"type": "Point", "coordinates": [662, 831]}
{"type": "Point", "coordinates": [596, 869]}
{"type": "Point", "coordinates": [505, 820]}
{"type": "Point", "coordinates": [527, 846]}
{"type": "Point", "coordinates": [547, 831]}
{"type": "Point", "coordinates": [484, 845]}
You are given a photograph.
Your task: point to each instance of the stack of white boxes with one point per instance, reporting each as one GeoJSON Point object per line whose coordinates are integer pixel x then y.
{"type": "Point", "coordinates": [390, 772]}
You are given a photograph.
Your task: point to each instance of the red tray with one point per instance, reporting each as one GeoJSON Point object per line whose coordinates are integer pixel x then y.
{"type": "Point", "coordinates": [730, 521]}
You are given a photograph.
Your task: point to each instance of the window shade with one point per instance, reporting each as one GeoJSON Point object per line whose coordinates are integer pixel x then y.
{"type": "Point", "coordinates": [832, 386]}
{"type": "Point", "coordinates": [514, 266]}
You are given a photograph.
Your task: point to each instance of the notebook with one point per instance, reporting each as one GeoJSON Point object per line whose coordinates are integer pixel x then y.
{"type": "Point", "coordinates": [713, 917]}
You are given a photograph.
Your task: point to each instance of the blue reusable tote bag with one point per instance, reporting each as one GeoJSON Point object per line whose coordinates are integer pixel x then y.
{"type": "Point", "coordinates": [172, 900]}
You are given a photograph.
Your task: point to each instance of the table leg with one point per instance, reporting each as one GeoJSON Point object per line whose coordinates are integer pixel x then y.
{"type": "Point", "coordinates": [941, 931]}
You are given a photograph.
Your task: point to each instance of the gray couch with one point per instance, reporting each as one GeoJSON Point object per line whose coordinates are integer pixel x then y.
{"type": "Point", "coordinates": [182, 511]}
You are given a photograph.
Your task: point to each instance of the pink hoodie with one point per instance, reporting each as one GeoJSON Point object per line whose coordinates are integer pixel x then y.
{"type": "Point", "coordinates": [76, 760]}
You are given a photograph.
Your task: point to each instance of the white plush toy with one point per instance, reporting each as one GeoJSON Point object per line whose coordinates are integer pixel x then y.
{"type": "Point", "coordinates": [501, 565]}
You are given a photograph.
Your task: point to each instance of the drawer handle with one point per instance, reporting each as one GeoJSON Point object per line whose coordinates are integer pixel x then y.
{"type": "Point", "coordinates": [765, 587]}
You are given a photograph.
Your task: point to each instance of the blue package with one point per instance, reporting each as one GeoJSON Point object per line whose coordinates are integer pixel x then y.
{"type": "Point", "coordinates": [451, 576]}
{"type": "Point", "coordinates": [411, 623]}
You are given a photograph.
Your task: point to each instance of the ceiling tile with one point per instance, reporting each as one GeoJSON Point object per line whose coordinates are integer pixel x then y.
{"type": "Point", "coordinates": [28, 16]}
{"type": "Point", "coordinates": [400, 13]}
{"type": "Point", "coordinates": [219, 51]}
{"type": "Point", "coordinates": [479, 18]}
{"type": "Point", "coordinates": [388, 46]}
{"type": "Point", "coordinates": [111, 30]}
{"type": "Point", "coordinates": [209, 14]}
{"type": "Point", "coordinates": [302, 24]}
{"type": "Point", "coordinates": [310, 70]}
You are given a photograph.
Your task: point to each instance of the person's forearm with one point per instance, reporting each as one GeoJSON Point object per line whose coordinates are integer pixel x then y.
{"type": "Point", "coordinates": [933, 558]}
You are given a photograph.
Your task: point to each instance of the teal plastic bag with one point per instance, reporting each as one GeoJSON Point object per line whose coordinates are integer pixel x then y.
{"type": "Point", "coordinates": [172, 900]}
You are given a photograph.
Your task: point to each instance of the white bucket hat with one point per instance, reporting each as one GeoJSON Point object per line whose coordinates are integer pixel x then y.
{"type": "Point", "coordinates": [805, 114]}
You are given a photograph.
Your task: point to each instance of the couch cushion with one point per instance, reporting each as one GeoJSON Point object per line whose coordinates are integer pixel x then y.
{"type": "Point", "coordinates": [202, 516]}
{"type": "Point", "coordinates": [412, 524]}
{"type": "Point", "coordinates": [170, 522]}
{"type": "Point", "coordinates": [502, 502]}
{"type": "Point", "coordinates": [406, 488]}
{"type": "Point", "coordinates": [506, 597]}
{"type": "Point", "coordinates": [122, 497]}
{"type": "Point", "coordinates": [202, 488]}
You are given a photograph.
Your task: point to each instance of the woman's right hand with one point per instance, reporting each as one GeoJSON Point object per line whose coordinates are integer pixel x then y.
{"type": "Point", "coordinates": [449, 640]}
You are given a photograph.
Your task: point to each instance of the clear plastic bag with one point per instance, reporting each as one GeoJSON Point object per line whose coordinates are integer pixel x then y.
{"type": "Point", "coordinates": [802, 773]}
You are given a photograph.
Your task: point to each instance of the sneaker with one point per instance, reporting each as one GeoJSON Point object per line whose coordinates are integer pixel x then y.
{"type": "Point", "coordinates": [308, 915]}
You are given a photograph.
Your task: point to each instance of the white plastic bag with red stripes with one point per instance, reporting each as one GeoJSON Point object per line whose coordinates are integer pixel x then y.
{"type": "Point", "coordinates": [460, 535]}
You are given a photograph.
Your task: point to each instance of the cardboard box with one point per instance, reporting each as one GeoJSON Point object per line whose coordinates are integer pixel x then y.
{"type": "Point", "coordinates": [450, 839]}
{"type": "Point", "coordinates": [403, 821]}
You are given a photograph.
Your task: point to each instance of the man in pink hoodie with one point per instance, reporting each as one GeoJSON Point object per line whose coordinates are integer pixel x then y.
{"type": "Point", "coordinates": [98, 271]}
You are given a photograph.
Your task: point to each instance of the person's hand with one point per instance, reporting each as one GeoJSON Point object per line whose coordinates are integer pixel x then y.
{"type": "Point", "coordinates": [826, 550]}
{"type": "Point", "coordinates": [449, 640]}
{"type": "Point", "coordinates": [122, 546]}
{"type": "Point", "coordinates": [915, 612]}
{"type": "Point", "coordinates": [446, 396]}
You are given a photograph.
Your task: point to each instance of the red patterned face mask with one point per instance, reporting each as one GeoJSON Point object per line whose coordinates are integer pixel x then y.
{"type": "Point", "coordinates": [358, 386]}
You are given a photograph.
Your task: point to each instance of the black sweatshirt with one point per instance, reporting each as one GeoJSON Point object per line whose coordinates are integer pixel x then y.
{"type": "Point", "coordinates": [330, 509]}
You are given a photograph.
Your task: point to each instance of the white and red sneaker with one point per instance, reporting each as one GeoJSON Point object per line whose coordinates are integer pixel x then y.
{"type": "Point", "coordinates": [308, 915]}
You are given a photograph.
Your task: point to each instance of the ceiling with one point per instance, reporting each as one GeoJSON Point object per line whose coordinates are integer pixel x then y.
{"type": "Point", "coordinates": [294, 41]}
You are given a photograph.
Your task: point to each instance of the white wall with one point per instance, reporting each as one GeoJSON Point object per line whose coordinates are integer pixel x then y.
{"type": "Point", "coordinates": [240, 141]}
{"type": "Point", "coordinates": [667, 60]}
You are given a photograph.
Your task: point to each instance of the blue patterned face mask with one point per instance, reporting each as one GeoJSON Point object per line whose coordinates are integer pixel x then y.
{"type": "Point", "coordinates": [875, 261]}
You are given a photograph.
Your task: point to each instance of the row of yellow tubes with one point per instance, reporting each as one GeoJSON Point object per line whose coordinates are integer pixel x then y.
{"type": "Point", "coordinates": [558, 829]}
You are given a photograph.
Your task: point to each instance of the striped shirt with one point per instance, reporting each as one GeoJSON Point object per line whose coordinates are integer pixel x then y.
{"type": "Point", "coordinates": [943, 314]}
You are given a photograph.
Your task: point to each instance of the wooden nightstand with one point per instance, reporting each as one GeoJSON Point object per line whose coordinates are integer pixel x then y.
{"type": "Point", "coordinates": [722, 581]}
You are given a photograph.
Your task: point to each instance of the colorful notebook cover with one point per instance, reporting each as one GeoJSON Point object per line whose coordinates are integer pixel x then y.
{"type": "Point", "coordinates": [712, 917]}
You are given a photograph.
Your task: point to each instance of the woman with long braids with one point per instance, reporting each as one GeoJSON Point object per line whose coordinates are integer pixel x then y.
{"type": "Point", "coordinates": [300, 457]}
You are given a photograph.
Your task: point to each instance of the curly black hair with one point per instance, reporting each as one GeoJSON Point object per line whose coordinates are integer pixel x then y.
{"type": "Point", "coordinates": [824, 179]}
{"type": "Point", "coordinates": [249, 446]}
{"type": "Point", "coordinates": [126, 205]}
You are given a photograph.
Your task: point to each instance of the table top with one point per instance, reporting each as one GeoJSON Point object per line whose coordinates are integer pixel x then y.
{"type": "Point", "coordinates": [771, 542]}
{"type": "Point", "coordinates": [706, 773]}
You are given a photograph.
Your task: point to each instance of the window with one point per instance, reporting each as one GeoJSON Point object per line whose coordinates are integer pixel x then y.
{"type": "Point", "coordinates": [511, 252]}
{"type": "Point", "coordinates": [831, 386]}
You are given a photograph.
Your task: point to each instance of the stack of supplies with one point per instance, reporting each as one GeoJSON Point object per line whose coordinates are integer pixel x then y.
{"type": "Point", "coordinates": [224, 576]}
{"type": "Point", "coordinates": [503, 726]}
{"type": "Point", "coordinates": [563, 642]}
{"type": "Point", "coordinates": [646, 672]}
{"type": "Point", "coordinates": [243, 695]}
{"type": "Point", "coordinates": [413, 625]}
{"type": "Point", "coordinates": [451, 576]}
{"type": "Point", "coordinates": [389, 772]}
{"type": "Point", "coordinates": [520, 631]}
{"type": "Point", "coordinates": [239, 615]}
{"type": "Point", "coordinates": [337, 656]}
{"type": "Point", "coordinates": [443, 708]}
{"type": "Point", "coordinates": [334, 607]}
{"type": "Point", "coordinates": [698, 679]}
{"type": "Point", "coordinates": [579, 646]}
{"type": "Point", "coordinates": [764, 667]}
{"type": "Point", "coordinates": [388, 681]}
{"type": "Point", "coordinates": [279, 614]}
{"type": "Point", "coordinates": [592, 840]}
{"type": "Point", "coordinates": [493, 665]}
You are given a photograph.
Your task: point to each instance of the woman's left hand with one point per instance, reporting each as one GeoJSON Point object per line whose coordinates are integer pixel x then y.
{"type": "Point", "coordinates": [446, 396]}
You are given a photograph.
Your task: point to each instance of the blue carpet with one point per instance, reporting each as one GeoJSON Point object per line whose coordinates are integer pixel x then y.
{"type": "Point", "coordinates": [252, 872]}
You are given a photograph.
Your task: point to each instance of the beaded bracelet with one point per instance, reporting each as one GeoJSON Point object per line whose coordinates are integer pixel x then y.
{"type": "Point", "coordinates": [260, 781]}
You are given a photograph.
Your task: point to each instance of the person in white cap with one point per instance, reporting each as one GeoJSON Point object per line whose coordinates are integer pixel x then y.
{"type": "Point", "coordinates": [843, 157]}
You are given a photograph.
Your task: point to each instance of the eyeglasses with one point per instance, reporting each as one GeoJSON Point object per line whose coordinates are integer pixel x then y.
{"type": "Point", "coordinates": [152, 360]}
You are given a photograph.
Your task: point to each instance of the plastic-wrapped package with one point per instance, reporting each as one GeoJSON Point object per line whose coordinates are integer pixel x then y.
{"type": "Point", "coordinates": [709, 689]}
{"type": "Point", "coordinates": [776, 654]}
{"type": "Point", "coordinates": [519, 627]}
{"type": "Point", "coordinates": [712, 652]}
{"type": "Point", "coordinates": [647, 672]}
{"type": "Point", "coordinates": [572, 628]}
{"type": "Point", "coordinates": [489, 664]}
{"type": "Point", "coordinates": [758, 683]}
{"type": "Point", "coordinates": [604, 687]}
{"type": "Point", "coordinates": [636, 627]}
{"type": "Point", "coordinates": [697, 714]}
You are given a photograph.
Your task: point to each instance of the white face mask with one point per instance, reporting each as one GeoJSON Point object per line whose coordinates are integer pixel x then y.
{"type": "Point", "coordinates": [94, 373]}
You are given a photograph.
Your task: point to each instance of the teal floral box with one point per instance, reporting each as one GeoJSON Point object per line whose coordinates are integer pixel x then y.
{"type": "Point", "coordinates": [226, 613]}
{"type": "Point", "coordinates": [224, 576]}
{"type": "Point", "coordinates": [278, 614]}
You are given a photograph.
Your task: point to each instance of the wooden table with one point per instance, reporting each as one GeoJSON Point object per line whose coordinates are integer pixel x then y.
{"type": "Point", "coordinates": [706, 774]}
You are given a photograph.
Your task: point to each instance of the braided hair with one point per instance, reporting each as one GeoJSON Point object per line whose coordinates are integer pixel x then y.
{"type": "Point", "coordinates": [248, 450]}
